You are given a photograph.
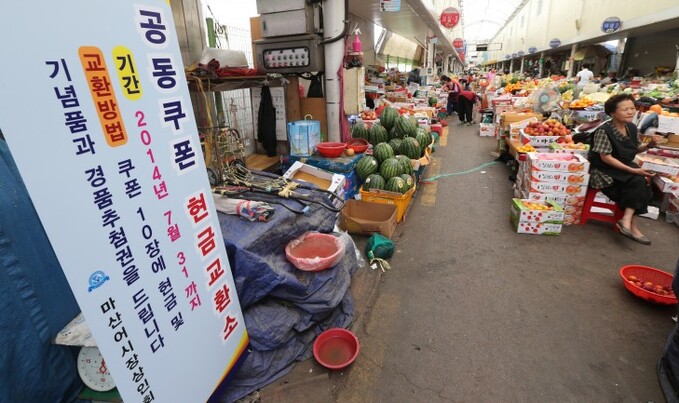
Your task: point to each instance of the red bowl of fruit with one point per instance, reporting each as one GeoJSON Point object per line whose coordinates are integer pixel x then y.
{"type": "Point", "coordinates": [648, 283]}
{"type": "Point", "coordinates": [329, 149]}
{"type": "Point", "coordinates": [358, 145]}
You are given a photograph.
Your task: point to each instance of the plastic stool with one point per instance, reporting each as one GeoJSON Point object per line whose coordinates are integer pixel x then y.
{"type": "Point", "coordinates": [587, 213]}
{"type": "Point", "coordinates": [438, 128]}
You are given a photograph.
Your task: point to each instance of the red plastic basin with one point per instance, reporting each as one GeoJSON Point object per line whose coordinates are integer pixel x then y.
{"type": "Point", "coordinates": [358, 145]}
{"type": "Point", "coordinates": [314, 251]}
{"type": "Point", "coordinates": [329, 149]}
{"type": "Point", "coordinates": [336, 348]}
{"type": "Point", "coordinates": [648, 274]}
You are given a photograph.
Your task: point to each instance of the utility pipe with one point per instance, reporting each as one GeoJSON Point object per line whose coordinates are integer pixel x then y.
{"type": "Point", "coordinates": [334, 27]}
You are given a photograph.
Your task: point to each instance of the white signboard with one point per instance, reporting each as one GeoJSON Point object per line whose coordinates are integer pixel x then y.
{"type": "Point", "coordinates": [99, 121]}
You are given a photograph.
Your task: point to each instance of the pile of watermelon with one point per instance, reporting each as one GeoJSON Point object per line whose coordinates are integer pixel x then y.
{"type": "Point", "coordinates": [395, 140]}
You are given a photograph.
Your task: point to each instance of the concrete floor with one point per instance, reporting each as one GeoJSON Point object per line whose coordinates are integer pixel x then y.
{"type": "Point", "coordinates": [473, 312]}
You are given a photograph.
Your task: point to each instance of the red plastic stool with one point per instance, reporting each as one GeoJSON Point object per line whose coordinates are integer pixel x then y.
{"type": "Point", "coordinates": [587, 213]}
{"type": "Point", "coordinates": [438, 128]}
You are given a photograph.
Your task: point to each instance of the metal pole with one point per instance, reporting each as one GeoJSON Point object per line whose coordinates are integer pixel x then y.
{"type": "Point", "coordinates": [333, 21]}
{"type": "Point", "coordinates": [219, 102]}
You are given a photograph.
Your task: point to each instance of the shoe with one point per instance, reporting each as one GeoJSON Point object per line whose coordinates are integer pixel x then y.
{"type": "Point", "coordinates": [626, 232]}
{"type": "Point", "coordinates": [468, 123]}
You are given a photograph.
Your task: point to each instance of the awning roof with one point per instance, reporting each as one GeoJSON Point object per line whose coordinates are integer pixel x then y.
{"type": "Point", "coordinates": [482, 19]}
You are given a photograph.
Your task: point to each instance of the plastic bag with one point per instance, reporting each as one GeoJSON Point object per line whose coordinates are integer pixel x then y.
{"type": "Point", "coordinates": [378, 249]}
{"type": "Point", "coordinates": [314, 251]}
{"type": "Point", "coordinates": [346, 240]}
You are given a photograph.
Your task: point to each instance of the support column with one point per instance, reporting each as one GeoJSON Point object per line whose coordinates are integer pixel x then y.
{"type": "Point", "coordinates": [333, 21]}
{"type": "Point", "coordinates": [522, 63]}
{"type": "Point", "coordinates": [571, 60]}
{"type": "Point", "coordinates": [446, 60]}
{"type": "Point", "coordinates": [511, 66]}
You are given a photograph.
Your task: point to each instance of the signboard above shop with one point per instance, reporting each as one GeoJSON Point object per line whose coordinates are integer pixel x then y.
{"type": "Point", "coordinates": [458, 43]}
{"type": "Point", "coordinates": [532, 49]}
{"type": "Point", "coordinates": [450, 17]}
{"type": "Point", "coordinates": [611, 24]}
{"type": "Point", "coordinates": [125, 202]}
{"type": "Point", "coordinates": [390, 5]}
{"type": "Point", "coordinates": [555, 43]}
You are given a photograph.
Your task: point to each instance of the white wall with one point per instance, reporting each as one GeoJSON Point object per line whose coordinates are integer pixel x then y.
{"type": "Point", "coordinates": [547, 19]}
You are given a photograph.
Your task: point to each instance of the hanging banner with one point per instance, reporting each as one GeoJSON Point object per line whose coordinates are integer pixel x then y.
{"type": "Point", "coordinates": [554, 43]}
{"type": "Point", "coordinates": [461, 56]}
{"type": "Point", "coordinates": [450, 17]}
{"type": "Point", "coordinates": [611, 24]}
{"type": "Point", "coordinates": [390, 5]}
{"type": "Point", "coordinates": [105, 140]}
{"type": "Point", "coordinates": [458, 43]}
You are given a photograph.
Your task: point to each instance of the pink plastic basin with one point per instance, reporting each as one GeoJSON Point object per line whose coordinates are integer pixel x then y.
{"type": "Point", "coordinates": [314, 251]}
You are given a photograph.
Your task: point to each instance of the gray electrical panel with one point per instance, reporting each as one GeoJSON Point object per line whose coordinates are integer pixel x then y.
{"type": "Point", "coordinates": [297, 54]}
{"type": "Point", "coordinates": [288, 17]}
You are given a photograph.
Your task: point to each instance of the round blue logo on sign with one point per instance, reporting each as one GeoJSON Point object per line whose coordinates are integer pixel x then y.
{"type": "Point", "coordinates": [97, 279]}
{"type": "Point", "coordinates": [508, 56]}
{"type": "Point", "coordinates": [554, 43]}
{"type": "Point", "coordinates": [611, 24]}
{"type": "Point", "coordinates": [521, 53]}
{"type": "Point", "coordinates": [532, 49]}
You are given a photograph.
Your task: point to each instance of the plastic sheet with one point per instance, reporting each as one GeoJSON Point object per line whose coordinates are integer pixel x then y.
{"type": "Point", "coordinates": [284, 308]}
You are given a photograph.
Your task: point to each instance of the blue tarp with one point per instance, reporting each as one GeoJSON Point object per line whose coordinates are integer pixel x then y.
{"type": "Point", "coordinates": [36, 302]}
{"type": "Point", "coordinates": [285, 308]}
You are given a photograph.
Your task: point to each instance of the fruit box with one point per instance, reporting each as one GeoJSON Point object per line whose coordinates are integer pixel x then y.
{"type": "Point", "coordinates": [332, 182]}
{"type": "Point", "coordinates": [558, 162]}
{"type": "Point", "coordinates": [365, 218]}
{"type": "Point", "coordinates": [666, 185]}
{"type": "Point", "coordinates": [558, 148]}
{"type": "Point", "coordinates": [525, 213]}
{"type": "Point", "coordinates": [516, 128]}
{"type": "Point", "coordinates": [668, 124]}
{"type": "Point", "coordinates": [534, 228]}
{"type": "Point", "coordinates": [537, 141]}
{"type": "Point", "coordinates": [486, 129]}
{"type": "Point", "coordinates": [573, 178]}
{"type": "Point", "coordinates": [660, 165]}
{"type": "Point", "coordinates": [556, 188]}
{"type": "Point", "coordinates": [401, 201]}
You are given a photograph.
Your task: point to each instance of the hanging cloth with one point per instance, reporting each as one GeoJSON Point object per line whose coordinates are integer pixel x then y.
{"type": "Point", "coordinates": [266, 123]}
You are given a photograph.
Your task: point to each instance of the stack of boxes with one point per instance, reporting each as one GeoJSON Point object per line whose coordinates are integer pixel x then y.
{"type": "Point", "coordinates": [561, 178]}
{"type": "Point", "coordinates": [536, 217]}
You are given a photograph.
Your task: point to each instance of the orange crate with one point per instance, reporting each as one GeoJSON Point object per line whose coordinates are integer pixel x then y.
{"type": "Point", "coordinates": [401, 201]}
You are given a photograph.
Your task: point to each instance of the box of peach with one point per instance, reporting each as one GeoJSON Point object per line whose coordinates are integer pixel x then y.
{"type": "Point", "coordinates": [558, 162]}
{"type": "Point", "coordinates": [557, 188]}
{"type": "Point", "coordinates": [573, 178]}
{"type": "Point", "coordinates": [660, 165]}
{"type": "Point", "coordinates": [569, 148]}
{"type": "Point", "coordinates": [534, 228]}
{"type": "Point", "coordinates": [537, 211]}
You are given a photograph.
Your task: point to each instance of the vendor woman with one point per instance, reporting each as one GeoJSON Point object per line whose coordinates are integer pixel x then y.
{"type": "Point", "coordinates": [614, 146]}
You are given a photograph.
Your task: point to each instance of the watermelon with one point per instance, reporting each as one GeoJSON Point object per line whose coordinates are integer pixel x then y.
{"type": "Point", "coordinates": [408, 180]}
{"type": "Point", "coordinates": [433, 101]}
{"type": "Point", "coordinates": [367, 166]}
{"type": "Point", "coordinates": [392, 133]}
{"type": "Point", "coordinates": [382, 151]}
{"type": "Point", "coordinates": [390, 168]}
{"type": "Point", "coordinates": [374, 181]}
{"type": "Point", "coordinates": [406, 164]}
{"type": "Point", "coordinates": [422, 139]}
{"type": "Point", "coordinates": [396, 184]}
{"type": "Point", "coordinates": [395, 145]}
{"type": "Point", "coordinates": [406, 127]}
{"type": "Point", "coordinates": [410, 148]}
{"type": "Point", "coordinates": [388, 117]}
{"type": "Point", "coordinates": [360, 131]}
{"type": "Point", "coordinates": [378, 134]}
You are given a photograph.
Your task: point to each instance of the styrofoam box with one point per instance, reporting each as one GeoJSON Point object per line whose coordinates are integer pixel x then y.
{"type": "Point", "coordinates": [547, 162]}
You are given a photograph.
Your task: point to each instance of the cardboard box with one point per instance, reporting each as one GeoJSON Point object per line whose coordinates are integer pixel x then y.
{"type": "Point", "coordinates": [513, 117]}
{"type": "Point", "coordinates": [571, 178]}
{"type": "Point", "coordinates": [365, 218]}
{"type": "Point", "coordinates": [486, 129]}
{"type": "Point", "coordinates": [525, 213]}
{"type": "Point", "coordinates": [666, 185]}
{"type": "Point", "coordinates": [558, 148]}
{"type": "Point", "coordinates": [558, 162]}
{"type": "Point", "coordinates": [556, 188]}
{"type": "Point", "coordinates": [401, 201]}
{"type": "Point", "coordinates": [332, 182]}
{"type": "Point", "coordinates": [536, 196]}
{"type": "Point", "coordinates": [533, 228]}
{"type": "Point", "coordinates": [668, 124]}
{"type": "Point", "coordinates": [660, 165]}
{"type": "Point", "coordinates": [537, 141]}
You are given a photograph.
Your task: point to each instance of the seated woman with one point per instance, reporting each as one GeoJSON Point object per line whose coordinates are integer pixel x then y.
{"type": "Point", "coordinates": [614, 146]}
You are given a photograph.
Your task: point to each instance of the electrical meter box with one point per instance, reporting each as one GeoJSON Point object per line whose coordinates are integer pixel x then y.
{"type": "Point", "coordinates": [287, 17]}
{"type": "Point", "coordinates": [299, 54]}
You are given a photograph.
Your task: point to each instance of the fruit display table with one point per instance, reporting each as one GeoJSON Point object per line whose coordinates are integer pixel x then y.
{"type": "Point", "coordinates": [512, 146]}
